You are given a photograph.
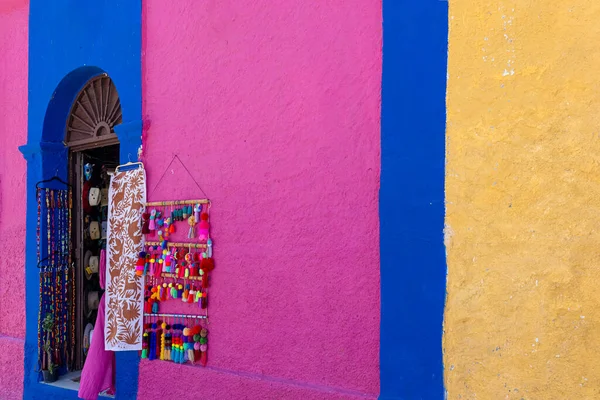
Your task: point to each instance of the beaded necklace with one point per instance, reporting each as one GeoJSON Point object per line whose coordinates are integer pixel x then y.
{"type": "Point", "coordinates": [42, 272]}
{"type": "Point", "coordinates": [72, 279]}
{"type": "Point", "coordinates": [62, 283]}
{"type": "Point", "coordinates": [57, 283]}
{"type": "Point", "coordinates": [57, 268]}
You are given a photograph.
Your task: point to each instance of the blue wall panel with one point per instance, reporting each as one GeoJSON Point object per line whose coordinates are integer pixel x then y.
{"type": "Point", "coordinates": [413, 264]}
{"type": "Point", "coordinates": [71, 41]}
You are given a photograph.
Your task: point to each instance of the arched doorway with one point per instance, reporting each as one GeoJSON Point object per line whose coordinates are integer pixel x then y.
{"type": "Point", "coordinates": [50, 103]}
{"type": "Point", "coordinates": [47, 155]}
{"type": "Point", "coordinates": [93, 153]}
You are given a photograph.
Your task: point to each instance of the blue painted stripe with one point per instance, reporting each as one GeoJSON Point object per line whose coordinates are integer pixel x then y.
{"type": "Point", "coordinates": [413, 264]}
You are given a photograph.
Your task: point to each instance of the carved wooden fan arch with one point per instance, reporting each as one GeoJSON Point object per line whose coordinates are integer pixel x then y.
{"type": "Point", "coordinates": [94, 114]}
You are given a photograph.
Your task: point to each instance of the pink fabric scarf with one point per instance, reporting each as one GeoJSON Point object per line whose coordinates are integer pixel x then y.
{"type": "Point", "coordinates": [98, 373]}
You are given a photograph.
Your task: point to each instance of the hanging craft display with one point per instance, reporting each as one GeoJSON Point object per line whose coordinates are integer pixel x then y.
{"type": "Point", "coordinates": [124, 290]}
{"type": "Point", "coordinates": [175, 337]}
{"type": "Point", "coordinates": [176, 271]}
{"type": "Point", "coordinates": [56, 318]}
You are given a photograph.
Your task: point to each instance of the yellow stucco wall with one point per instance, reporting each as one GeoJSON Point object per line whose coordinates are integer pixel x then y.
{"type": "Point", "coordinates": [523, 200]}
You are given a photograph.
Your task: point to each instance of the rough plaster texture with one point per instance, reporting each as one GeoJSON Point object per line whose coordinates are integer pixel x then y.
{"type": "Point", "coordinates": [13, 132]}
{"type": "Point", "coordinates": [523, 153]}
{"type": "Point", "coordinates": [275, 109]}
{"type": "Point", "coordinates": [11, 368]}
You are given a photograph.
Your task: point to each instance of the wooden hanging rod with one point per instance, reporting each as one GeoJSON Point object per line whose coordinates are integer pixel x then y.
{"type": "Point", "coordinates": [177, 315]}
{"type": "Point", "coordinates": [168, 275]}
{"type": "Point", "coordinates": [177, 202]}
{"type": "Point", "coordinates": [175, 244]}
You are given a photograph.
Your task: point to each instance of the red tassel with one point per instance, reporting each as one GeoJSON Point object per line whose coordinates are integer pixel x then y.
{"type": "Point", "coordinates": [158, 334]}
{"type": "Point", "coordinates": [203, 359]}
{"type": "Point", "coordinates": [146, 224]}
{"type": "Point", "coordinates": [172, 227]}
{"type": "Point", "coordinates": [207, 264]}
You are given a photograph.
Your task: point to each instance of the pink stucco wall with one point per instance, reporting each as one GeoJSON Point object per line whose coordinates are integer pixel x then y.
{"type": "Point", "coordinates": [13, 133]}
{"type": "Point", "coordinates": [274, 106]}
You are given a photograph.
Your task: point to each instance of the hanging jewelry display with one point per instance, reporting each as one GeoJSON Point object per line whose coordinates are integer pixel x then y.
{"type": "Point", "coordinates": [56, 316]}
{"type": "Point", "coordinates": [176, 271]}
{"type": "Point", "coordinates": [176, 265]}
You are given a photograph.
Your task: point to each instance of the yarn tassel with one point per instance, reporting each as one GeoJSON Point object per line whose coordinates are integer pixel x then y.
{"type": "Point", "coordinates": [145, 343]}
{"type": "Point", "coordinates": [185, 348]}
{"type": "Point", "coordinates": [177, 348]}
{"type": "Point", "coordinates": [162, 341]}
{"type": "Point", "coordinates": [192, 224]}
{"type": "Point", "coordinates": [152, 221]}
{"type": "Point", "coordinates": [164, 292]}
{"type": "Point", "coordinates": [197, 211]}
{"type": "Point", "coordinates": [203, 358]}
{"type": "Point", "coordinates": [168, 343]}
{"type": "Point", "coordinates": [207, 264]}
{"type": "Point", "coordinates": [203, 227]}
{"type": "Point", "coordinates": [186, 292]}
{"type": "Point", "coordinates": [157, 343]}
{"type": "Point", "coordinates": [209, 249]}
{"type": "Point", "coordinates": [196, 351]}
{"type": "Point", "coordinates": [152, 352]}
{"type": "Point", "coordinates": [147, 306]}
{"type": "Point", "coordinates": [146, 224]}
{"type": "Point", "coordinates": [174, 348]}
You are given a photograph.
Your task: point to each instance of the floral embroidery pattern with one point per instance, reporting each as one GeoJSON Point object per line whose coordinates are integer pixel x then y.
{"type": "Point", "coordinates": [124, 290]}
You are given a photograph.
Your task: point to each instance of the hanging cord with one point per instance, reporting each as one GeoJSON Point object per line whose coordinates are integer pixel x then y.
{"type": "Point", "coordinates": [184, 167]}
